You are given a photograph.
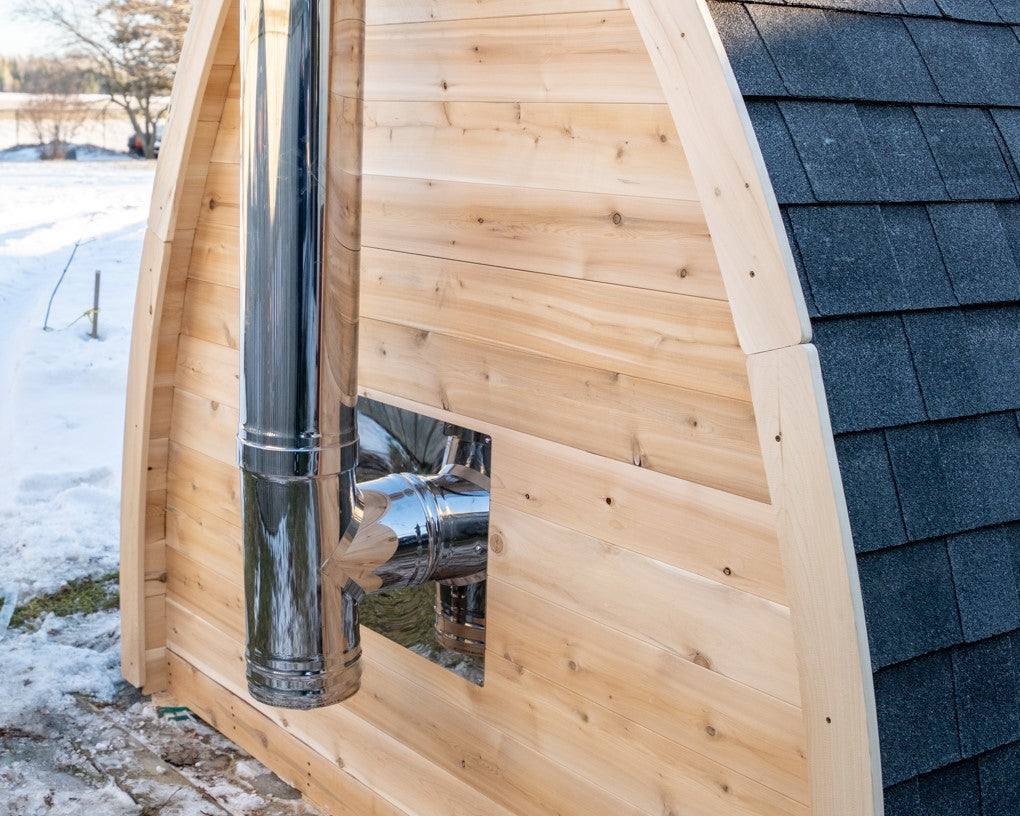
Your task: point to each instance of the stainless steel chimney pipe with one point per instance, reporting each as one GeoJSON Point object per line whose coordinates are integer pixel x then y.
{"type": "Point", "coordinates": [297, 444]}
{"type": "Point", "coordinates": [315, 542]}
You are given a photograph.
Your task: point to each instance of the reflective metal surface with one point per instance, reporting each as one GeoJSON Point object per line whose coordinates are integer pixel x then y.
{"type": "Point", "coordinates": [460, 617]}
{"type": "Point", "coordinates": [417, 529]}
{"type": "Point", "coordinates": [297, 443]}
{"type": "Point", "coordinates": [315, 542]}
{"type": "Point", "coordinates": [460, 601]}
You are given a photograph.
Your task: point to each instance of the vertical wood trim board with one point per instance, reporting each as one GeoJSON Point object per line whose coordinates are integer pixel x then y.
{"type": "Point", "coordinates": [168, 224]}
{"type": "Point", "coordinates": [828, 615]}
{"type": "Point", "coordinates": [729, 173]}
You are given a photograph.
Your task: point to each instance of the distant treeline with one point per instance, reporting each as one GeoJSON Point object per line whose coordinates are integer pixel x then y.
{"type": "Point", "coordinates": [47, 75]}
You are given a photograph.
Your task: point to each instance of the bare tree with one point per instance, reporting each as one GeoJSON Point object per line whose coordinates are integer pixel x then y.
{"type": "Point", "coordinates": [55, 108]}
{"type": "Point", "coordinates": [55, 119]}
{"type": "Point", "coordinates": [132, 48]}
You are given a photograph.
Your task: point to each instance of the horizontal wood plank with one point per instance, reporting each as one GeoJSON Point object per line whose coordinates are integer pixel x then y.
{"type": "Point", "coordinates": [209, 369]}
{"type": "Point", "coordinates": [685, 341]}
{"type": "Point", "coordinates": [513, 59]}
{"type": "Point", "coordinates": [212, 313]}
{"type": "Point", "coordinates": [204, 482]}
{"type": "Point", "coordinates": [752, 733]}
{"type": "Point", "coordinates": [700, 437]}
{"type": "Point", "coordinates": [204, 538]}
{"type": "Point", "coordinates": [735, 634]}
{"type": "Point", "coordinates": [205, 425]}
{"type": "Point", "coordinates": [155, 670]}
{"type": "Point", "coordinates": [431, 768]}
{"type": "Point", "coordinates": [651, 243]}
{"type": "Point", "coordinates": [321, 779]}
{"type": "Point", "coordinates": [220, 197]}
{"type": "Point", "coordinates": [216, 257]}
{"type": "Point", "coordinates": [400, 11]}
{"type": "Point", "coordinates": [715, 534]}
{"type": "Point", "coordinates": [596, 148]}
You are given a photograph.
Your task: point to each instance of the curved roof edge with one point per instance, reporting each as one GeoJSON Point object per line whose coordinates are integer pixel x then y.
{"type": "Point", "coordinates": [793, 422]}
{"type": "Point", "coordinates": [891, 132]}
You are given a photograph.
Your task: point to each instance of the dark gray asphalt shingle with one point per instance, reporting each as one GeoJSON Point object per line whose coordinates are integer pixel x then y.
{"type": "Point", "coordinates": [834, 150]}
{"type": "Point", "coordinates": [966, 150]}
{"type": "Point", "coordinates": [921, 482]}
{"type": "Point", "coordinates": [916, 710]}
{"type": "Point", "coordinates": [872, 6]}
{"type": "Point", "coordinates": [871, 499]}
{"type": "Point", "coordinates": [902, 153]}
{"type": "Point", "coordinates": [882, 58]}
{"type": "Point", "coordinates": [868, 373]}
{"type": "Point", "coordinates": [987, 695]}
{"type": "Point", "coordinates": [976, 252]}
{"type": "Point", "coordinates": [951, 791]}
{"type": "Point", "coordinates": [987, 589]}
{"type": "Point", "coordinates": [909, 602]}
{"type": "Point", "coordinates": [976, 10]}
{"type": "Point", "coordinates": [1000, 782]}
{"type": "Point", "coordinates": [958, 475]}
{"type": "Point", "coordinates": [923, 281]}
{"type": "Point", "coordinates": [808, 59]}
{"type": "Point", "coordinates": [892, 147]}
{"type": "Point", "coordinates": [798, 261]}
{"type": "Point", "coordinates": [921, 8]}
{"type": "Point", "coordinates": [781, 157]}
{"type": "Point", "coordinates": [981, 458]}
{"type": "Point", "coordinates": [970, 63]}
{"type": "Point", "coordinates": [847, 258]}
{"type": "Point", "coordinates": [1009, 12]}
{"type": "Point", "coordinates": [1009, 217]}
{"type": "Point", "coordinates": [903, 799]}
{"type": "Point", "coordinates": [863, 258]}
{"type": "Point", "coordinates": [751, 63]}
{"type": "Point", "coordinates": [1007, 120]}
{"type": "Point", "coordinates": [967, 361]}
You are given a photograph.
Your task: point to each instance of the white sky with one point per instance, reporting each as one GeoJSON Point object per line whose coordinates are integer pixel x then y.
{"type": "Point", "coordinates": [19, 37]}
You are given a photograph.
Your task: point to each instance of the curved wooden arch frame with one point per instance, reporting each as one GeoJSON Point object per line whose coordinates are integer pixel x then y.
{"type": "Point", "coordinates": [143, 467]}
{"type": "Point", "coordinates": [772, 324]}
{"type": "Point", "coordinates": [789, 402]}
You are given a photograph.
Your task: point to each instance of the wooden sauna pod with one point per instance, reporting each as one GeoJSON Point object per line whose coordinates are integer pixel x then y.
{"type": "Point", "coordinates": [570, 243]}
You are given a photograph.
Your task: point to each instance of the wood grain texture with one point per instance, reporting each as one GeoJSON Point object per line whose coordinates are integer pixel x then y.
{"type": "Point", "coordinates": [539, 266]}
{"type": "Point", "coordinates": [421, 750]}
{"type": "Point", "coordinates": [320, 778]}
{"type": "Point", "coordinates": [757, 735]}
{"type": "Point", "coordinates": [740, 636]}
{"type": "Point", "coordinates": [401, 11]}
{"type": "Point", "coordinates": [690, 434]}
{"type": "Point", "coordinates": [668, 338]}
{"type": "Point", "coordinates": [729, 172]}
{"type": "Point", "coordinates": [657, 244]}
{"type": "Point", "coordinates": [513, 59]}
{"type": "Point", "coordinates": [169, 233]}
{"type": "Point", "coordinates": [141, 366]}
{"type": "Point", "coordinates": [198, 57]}
{"type": "Point", "coordinates": [709, 532]}
{"type": "Point", "coordinates": [596, 148]}
{"type": "Point", "coordinates": [825, 597]}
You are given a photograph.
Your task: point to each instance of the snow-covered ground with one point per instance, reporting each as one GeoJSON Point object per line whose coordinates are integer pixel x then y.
{"type": "Point", "coordinates": [73, 738]}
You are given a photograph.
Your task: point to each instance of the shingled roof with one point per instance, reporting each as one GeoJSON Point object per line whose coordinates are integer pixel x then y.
{"type": "Point", "coordinates": [891, 132]}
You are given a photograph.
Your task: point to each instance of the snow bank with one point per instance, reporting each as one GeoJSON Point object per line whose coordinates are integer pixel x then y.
{"type": "Point", "coordinates": [61, 405]}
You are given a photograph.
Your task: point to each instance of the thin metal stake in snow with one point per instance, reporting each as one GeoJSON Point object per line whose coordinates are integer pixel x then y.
{"type": "Point", "coordinates": [74, 250]}
{"type": "Point", "coordinates": [95, 309]}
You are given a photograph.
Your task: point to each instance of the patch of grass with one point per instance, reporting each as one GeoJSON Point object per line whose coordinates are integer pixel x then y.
{"type": "Point", "coordinates": [80, 596]}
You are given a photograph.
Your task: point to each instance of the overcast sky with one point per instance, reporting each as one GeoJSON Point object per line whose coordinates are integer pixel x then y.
{"type": "Point", "coordinates": [19, 36]}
